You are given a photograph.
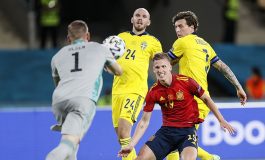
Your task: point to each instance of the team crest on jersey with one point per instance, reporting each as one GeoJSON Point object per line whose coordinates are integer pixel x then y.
{"type": "Point", "coordinates": [180, 95]}
{"type": "Point", "coordinates": [143, 45]}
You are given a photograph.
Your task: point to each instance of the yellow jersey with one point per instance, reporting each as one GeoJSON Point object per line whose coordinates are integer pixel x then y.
{"type": "Point", "coordinates": [140, 49]}
{"type": "Point", "coordinates": [195, 58]}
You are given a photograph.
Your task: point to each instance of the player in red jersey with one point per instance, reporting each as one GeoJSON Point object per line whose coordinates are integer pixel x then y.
{"type": "Point", "coordinates": [175, 95]}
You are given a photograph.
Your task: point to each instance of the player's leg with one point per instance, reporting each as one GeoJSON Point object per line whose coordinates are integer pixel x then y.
{"type": "Point", "coordinates": [131, 108]}
{"type": "Point", "coordinates": [124, 131]}
{"type": "Point", "coordinates": [68, 142]}
{"type": "Point", "coordinates": [124, 135]}
{"type": "Point", "coordinates": [189, 153]}
{"type": "Point", "coordinates": [159, 145]}
{"type": "Point", "coordinates": [146, 154]}
{"type": "Point", "coordinates": [188, 148]}
{"type": "Point", "coordinates": [204, 111]}
{"type": "Point", "coordinates": [73, 156]}
{"type": "Point", "coordinates": [89, 111]}
{"type": "Point", "coordinates": [125, 110]}
{"type": "Point", "coordinates": [65, 148]}
{"type": "Point", "coordinates": [74, 126]}
{"type": "Point", "coordinates": [204, 155]}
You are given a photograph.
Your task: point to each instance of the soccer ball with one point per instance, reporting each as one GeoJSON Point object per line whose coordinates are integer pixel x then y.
{"type": "Point", "coordinates": [116, 45]}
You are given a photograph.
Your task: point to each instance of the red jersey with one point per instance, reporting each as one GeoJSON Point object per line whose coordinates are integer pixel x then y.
{"type": "Point", "coordinates": [178, 106]}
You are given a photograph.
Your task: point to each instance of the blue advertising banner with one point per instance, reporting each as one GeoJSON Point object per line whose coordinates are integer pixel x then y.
{"type": "Point", "coordinates": [25, 134]}
{"type": "Point", "coordinates": [247, 143]}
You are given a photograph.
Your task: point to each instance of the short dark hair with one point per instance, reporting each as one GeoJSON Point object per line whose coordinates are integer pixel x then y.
{"type": "Point", "coordinates": [160, 56]}
{"type": "Point", "coordinates": [256, 71]}
{"type": "Point", "coordinates": [190, 18]}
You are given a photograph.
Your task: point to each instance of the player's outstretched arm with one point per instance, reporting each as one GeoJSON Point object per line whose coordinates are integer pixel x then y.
{"type": "Point", "coordinates": [227, 72]}
{"type": "Point", "coordinates": [138, 133]}
{"type": "Point", "coordinates": [223, 123]}
{"type": "Point", "coordinates": [114, 68]}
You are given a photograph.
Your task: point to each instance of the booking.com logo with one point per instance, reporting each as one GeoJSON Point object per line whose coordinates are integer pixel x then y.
{"type": "Point", "coordinates": [252, 132]}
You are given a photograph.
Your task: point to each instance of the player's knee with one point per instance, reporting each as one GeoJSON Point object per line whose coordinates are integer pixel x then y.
{"type": "Point", "coordinates": [141, 156]}
{"type": "Point", "coordinates": [146, 153]}
{"type": "Point", "coordinates": [189, 153]}
{"type": "Point", "coordinates": [144, 156]}
{"type": "Point", "coordinates": [123, 133]}
{"type": "Point", "coordinates": [124, 129]}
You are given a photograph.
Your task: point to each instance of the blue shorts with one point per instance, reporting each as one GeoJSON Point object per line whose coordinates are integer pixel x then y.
{"type": "Point", "coordinates": [168, 139]}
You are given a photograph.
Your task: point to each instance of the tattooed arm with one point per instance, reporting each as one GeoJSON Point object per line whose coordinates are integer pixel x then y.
{"type": "Point", "coordinates": [227, 72]}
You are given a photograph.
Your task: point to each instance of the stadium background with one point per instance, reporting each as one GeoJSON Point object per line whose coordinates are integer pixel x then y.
{"type": "Point", "coordinates": [26, 85]}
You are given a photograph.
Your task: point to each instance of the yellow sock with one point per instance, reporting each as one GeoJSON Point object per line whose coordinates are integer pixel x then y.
{"type": "Point", "coordinates": [173, 156]}
{"type": "Point", "coordinates": [204, 155]}
{"type": "Point", "coordinates": [125, 142]}
{"type": "Point", "coordinates": [130, 156]}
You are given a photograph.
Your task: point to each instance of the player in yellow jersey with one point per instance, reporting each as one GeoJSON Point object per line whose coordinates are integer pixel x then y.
{"type": "Point", "coordinates": [129, 90]}
{"type": "Point", "coordinates": [195, 57]}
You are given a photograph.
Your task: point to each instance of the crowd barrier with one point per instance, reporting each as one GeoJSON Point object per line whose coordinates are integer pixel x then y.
{"type": "Point", "coordinates": [25, 133]}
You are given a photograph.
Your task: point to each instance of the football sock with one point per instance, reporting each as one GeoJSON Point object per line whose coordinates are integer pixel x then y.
{"type": "Point", "coordinates": [173, 155]}
{"type": "Point", "coordinates": [124, 142]}
{"type": "Point", "coordinates": [62, 151]}
{"type": "Point", "coordinates": [204, 155]}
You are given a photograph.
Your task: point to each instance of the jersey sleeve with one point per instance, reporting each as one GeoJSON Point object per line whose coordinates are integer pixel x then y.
{"type": "Point", "coordinates": [195, 88]}
{"type": "Point", "coordinates": [149, 102]}
{"type": "Point", "coordinates": [213, 56]}
{"type": "Point", "coordinates": [109, 57]}
{"type": "Point", "coordinates": [177, 49]}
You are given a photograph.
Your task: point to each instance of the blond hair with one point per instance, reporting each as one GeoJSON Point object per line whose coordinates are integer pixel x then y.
{"type": "Point", "coordinates": [77, 29]}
